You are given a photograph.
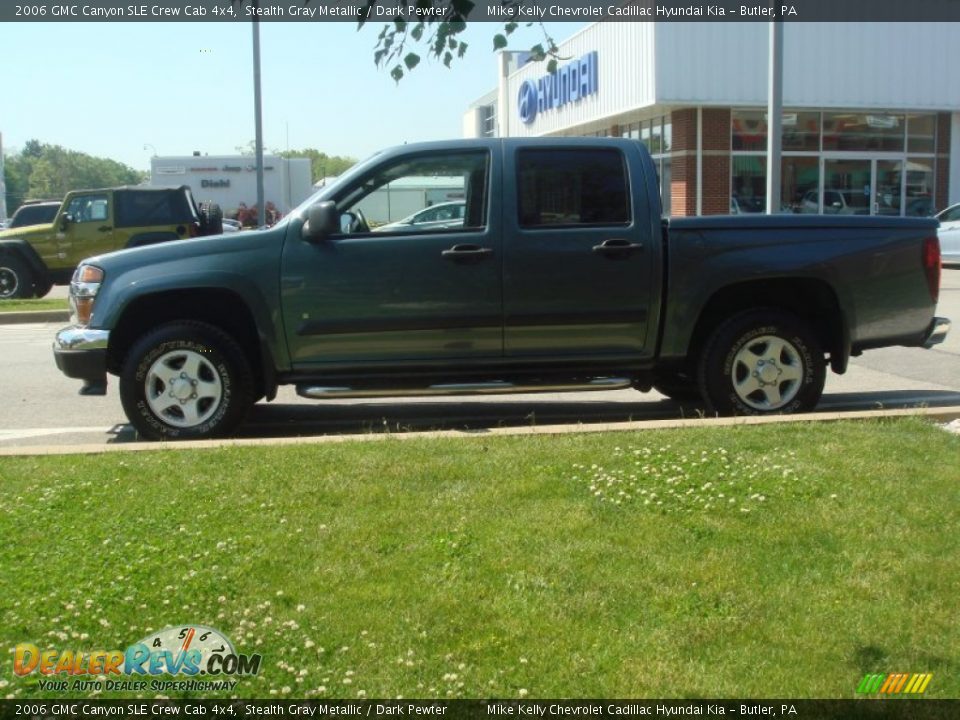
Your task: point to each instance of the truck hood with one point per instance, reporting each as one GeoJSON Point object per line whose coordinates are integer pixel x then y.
{"type": "Point", "coordinates": [186, 252]}
{"type": "Point", "coordinates": [26, 232]}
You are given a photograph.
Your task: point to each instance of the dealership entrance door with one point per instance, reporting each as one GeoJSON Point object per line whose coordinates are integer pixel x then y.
{"type": "Point", "coordinates": [860, 186]}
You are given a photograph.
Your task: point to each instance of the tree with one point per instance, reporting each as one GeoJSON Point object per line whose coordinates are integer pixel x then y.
{"type": "Point", "coordinates": [321, 164]}
{"type": "Point", "coordinates": [436, 25]}
{"type": "Point", "coordinates": [44, 171]}
{"type": "Point", "coordinates": [446, 19]}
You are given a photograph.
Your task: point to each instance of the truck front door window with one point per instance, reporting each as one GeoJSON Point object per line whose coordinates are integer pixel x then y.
{"type": "Point", "coordinates": [424, 193]}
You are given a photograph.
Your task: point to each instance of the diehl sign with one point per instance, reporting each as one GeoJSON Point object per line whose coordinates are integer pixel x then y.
{"type": "Point", "coordinates": [214, 183]}
{"type": "Point", "coordinates": [570, 83]}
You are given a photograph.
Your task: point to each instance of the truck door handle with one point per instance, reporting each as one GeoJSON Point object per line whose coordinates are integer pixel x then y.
{"type": "Point", "coordinates": [466, 253]}
{"type": "Point", "coordinates": [617, 247]}
{"type": "Point", "coordinates": [104, 228]}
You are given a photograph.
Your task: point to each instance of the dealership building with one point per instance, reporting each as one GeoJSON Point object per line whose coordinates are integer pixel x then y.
{"type": "Point", "coordinates": [870, 125]}
{"type": "Point", "coordinates": [230, 180]}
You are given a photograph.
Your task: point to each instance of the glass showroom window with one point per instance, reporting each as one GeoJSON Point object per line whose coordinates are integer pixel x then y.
{"type": "Point", "coordinates": [863, 132]}
{"type": "Point", "coordinates": [799, 184]}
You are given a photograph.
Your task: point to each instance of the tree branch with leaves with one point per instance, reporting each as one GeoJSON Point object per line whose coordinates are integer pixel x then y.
{"type": "Point", "coordinates": [438, 31]}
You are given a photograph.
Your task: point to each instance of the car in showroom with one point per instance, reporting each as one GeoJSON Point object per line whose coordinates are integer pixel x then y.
{"type": "Point", "coordinates": [836, 202]}
{"type": "Point", "coordinates": [949, 234]}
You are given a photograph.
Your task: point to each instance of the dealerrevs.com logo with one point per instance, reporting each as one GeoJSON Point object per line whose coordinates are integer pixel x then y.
{"type": "Point", "coordinates": [189, 651]}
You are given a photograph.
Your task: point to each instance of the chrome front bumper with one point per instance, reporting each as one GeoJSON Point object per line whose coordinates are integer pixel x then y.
{"type": "Point", "coordinates": [937, 332]}
{"type": "Point", "coordinates": [81, 352]}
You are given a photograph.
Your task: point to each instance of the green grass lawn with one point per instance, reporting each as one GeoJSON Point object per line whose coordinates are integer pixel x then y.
{"type": "Point", "coordinates": [12, 305]}
{"type": "Point", "coordinates": [777, 561]}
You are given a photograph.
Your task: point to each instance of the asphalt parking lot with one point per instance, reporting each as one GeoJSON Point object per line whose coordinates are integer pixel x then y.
{"type": "Point", "coordinates": [43, 408]}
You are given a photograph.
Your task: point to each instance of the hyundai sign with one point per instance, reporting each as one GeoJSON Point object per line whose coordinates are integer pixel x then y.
{"type": "Point", "coordinates": [570, 83]}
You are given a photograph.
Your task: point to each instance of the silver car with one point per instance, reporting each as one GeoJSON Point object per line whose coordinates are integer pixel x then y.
{"type": "Point", "coordinates": [949, 234]}
{"type": "Point", "coordinates": [442, 216]}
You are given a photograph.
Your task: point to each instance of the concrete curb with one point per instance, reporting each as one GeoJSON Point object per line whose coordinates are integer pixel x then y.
{"type": "Point", "coordinates": [34, 316]}
{"type": "Point", "coordinates": [942, 414]}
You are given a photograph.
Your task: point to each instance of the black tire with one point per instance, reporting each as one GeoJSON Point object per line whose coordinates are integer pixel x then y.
{"type": "Point", "coordinates": [678, 386]}
{"type": "Point", "coordinates": [42, 287]}
{"type": "Point", "coordinates": [211, 219]}
{"type": "Point", "coordinates": [209, 371]}
{"type": "Point", "coordinates": [16, 280]}
{"type": "Point", "coordinates": [762, 362]}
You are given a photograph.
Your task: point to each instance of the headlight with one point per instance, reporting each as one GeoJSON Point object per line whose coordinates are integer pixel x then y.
{"type": "Point", "coordinates": [83, 291]}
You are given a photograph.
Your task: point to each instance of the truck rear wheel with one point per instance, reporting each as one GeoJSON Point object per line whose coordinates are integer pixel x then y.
{"type": "Point", "coordinates": [186, 380]}
{"type": "Point", "coordinates": [762, 362]}
{"type": "Point", "coordinates": [16, 280]}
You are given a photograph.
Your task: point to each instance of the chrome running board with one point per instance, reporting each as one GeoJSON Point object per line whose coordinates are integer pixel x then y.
{"type": "Point", "coordinates": [499, 387]}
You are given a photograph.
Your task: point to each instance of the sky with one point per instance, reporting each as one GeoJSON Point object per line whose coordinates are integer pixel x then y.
{"type": "Point", "coordinates": [126, 91]}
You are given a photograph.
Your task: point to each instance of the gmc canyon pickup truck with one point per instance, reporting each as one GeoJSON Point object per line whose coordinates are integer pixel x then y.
{"type": "Point", "coordinates": [562, 275]}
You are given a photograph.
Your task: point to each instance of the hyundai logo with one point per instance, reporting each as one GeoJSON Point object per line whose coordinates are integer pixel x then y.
{"type": "Point", "coordinates": [527, 102]}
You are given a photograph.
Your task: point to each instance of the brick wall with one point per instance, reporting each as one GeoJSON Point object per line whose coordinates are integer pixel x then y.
{"type": "Point", "coordinates": [716, 161]}
{"type": "Point", "coordinates": [683, 168]}
{"type": "Point", "coordinates": [715, 164]}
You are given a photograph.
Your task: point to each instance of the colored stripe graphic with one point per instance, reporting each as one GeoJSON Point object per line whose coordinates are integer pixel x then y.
{"type": "Point", "coordinates": [894, 683]}
{"type": "Point", "coordinates": [870, 683]}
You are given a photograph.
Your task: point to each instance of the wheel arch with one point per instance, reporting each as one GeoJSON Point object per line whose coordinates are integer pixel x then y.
{"type": "Point", "coordinates": [812, 300]}
{"type": "Point", "coordinates": [219, 307]}
{"type": "Point", "coordinates": [24, 251]}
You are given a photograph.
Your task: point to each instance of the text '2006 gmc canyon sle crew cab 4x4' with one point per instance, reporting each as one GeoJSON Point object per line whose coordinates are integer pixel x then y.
{"type": "Point", "coordinates": [562, 274]}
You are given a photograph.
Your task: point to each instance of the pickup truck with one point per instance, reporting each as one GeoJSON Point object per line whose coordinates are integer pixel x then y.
{"type": "Point", "coordinates": [563, 275]}
{"type": "Point", "coordinates": [34, 258]}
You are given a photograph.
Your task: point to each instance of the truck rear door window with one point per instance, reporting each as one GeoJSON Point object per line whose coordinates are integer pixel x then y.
{"type": "Point", "coordinates": [572, 187]}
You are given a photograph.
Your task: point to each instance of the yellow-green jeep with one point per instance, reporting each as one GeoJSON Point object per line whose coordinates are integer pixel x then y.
{"type": "Point", "coordinates": [94, 222]}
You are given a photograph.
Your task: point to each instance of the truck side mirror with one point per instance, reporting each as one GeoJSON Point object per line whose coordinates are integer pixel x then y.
{"type": "Point", "coordinates": [65, 221]}
{"type": "Point", "coordinates": [323, 220]}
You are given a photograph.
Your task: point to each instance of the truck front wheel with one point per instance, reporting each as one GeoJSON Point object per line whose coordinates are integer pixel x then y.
{"type": "Point", "coordinates": [762, 362]}
{"type": "Point", "coordinates": [186, 380]}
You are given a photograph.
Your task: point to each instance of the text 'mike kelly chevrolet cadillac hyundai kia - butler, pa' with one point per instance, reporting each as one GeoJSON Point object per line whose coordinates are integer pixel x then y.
{"type": "Point", "coordinates": [561, 275]}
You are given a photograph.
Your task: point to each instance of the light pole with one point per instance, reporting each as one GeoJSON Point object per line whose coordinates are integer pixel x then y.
{"type": "Point", "coordinates": [774, 115]}
{"type": "Point", "coordinates": [258, 119]}
{"type": "Point", "coordinates": [3, 184]}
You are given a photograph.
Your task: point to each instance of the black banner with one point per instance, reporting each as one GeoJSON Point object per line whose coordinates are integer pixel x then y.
{"type": "Point", "coordinates": [482, 11]}
{"type": "Point", "coordinates": [867, 709]}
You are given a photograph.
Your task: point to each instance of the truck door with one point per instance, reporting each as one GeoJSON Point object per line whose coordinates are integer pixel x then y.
{"type": "Point", "coordinates": [401, 292]}
{"type": "Point", "coordinates": [89, 228]}
{"type": "Point", "coordinates": [579, 254]}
